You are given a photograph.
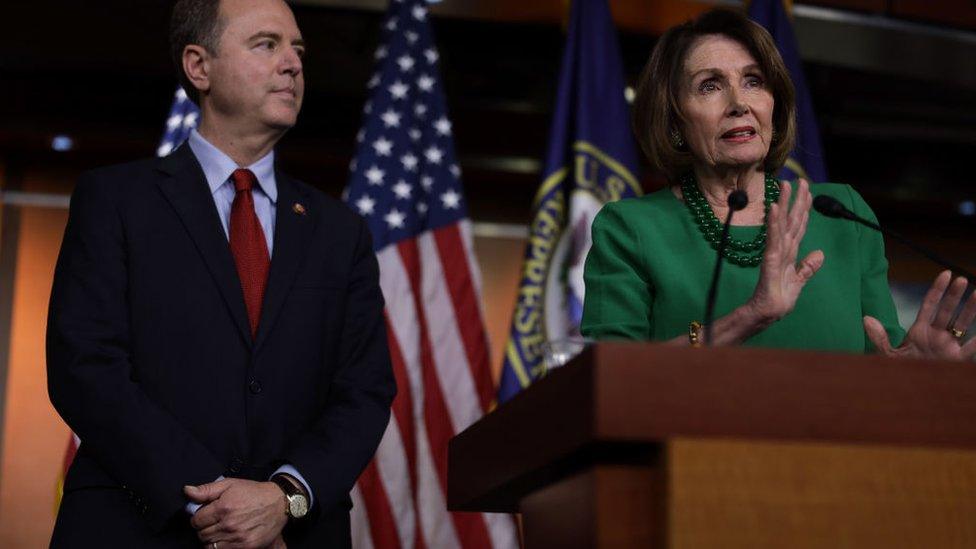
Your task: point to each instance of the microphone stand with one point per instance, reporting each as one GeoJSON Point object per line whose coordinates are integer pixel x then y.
{"type": "Point", "coordinates": [737, 200]}
{"type": "Point", "coordinates": [830, 207]}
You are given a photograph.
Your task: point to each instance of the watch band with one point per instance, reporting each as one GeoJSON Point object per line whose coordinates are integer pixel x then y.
{"type": "Point", "coordinates": [292, 491]}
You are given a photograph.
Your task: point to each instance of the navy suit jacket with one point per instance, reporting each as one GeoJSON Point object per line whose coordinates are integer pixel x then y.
{"type": "Point", "coordinates": [152, 363]}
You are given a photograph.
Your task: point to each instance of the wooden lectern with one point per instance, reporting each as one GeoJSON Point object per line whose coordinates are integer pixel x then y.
{"type": "Point", "coordinates": [647, 445]}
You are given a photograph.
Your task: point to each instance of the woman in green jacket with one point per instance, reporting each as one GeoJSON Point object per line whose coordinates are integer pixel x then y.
{"type": "Point", "coordinates": [715, 112]}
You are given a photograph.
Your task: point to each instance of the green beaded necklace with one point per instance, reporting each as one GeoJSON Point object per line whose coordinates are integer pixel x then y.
{"type": "Point", "coordinates": [739, 252]}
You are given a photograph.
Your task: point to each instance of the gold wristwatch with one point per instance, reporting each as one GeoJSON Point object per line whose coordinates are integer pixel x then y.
{"type": "Point", "coordinates": [297, 502]}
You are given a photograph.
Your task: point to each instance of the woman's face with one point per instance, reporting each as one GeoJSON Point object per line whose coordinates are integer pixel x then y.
{"type": "Point", "coordinates": [727, 108]}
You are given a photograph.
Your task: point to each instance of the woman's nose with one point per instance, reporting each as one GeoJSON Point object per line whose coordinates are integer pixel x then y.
{"type": "Point", "coordinates": [737, 104]}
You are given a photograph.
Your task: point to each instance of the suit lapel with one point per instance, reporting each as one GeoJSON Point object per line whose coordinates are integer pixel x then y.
{"type": "Point", "coordinates": [187, 191]}
{"type": "Point", "coordinates": [292, 231]}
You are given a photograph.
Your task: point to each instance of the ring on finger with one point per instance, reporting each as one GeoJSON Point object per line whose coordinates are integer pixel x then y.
{"type": "Point", "coordinates": [957, 333]}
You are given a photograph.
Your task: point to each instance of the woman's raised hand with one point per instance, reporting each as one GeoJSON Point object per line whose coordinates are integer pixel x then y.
{"type": "Point", "coordinates": [934, 333]}
{"type": "Point", "coordinates": [781, 277]}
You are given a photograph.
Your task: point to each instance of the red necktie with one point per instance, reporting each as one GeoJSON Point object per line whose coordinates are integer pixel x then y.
{"type": "Point", "coordinates": [248, 245]}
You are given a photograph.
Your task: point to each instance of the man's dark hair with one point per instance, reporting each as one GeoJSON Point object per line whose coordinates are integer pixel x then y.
{"type": "Point", "coordinates": [195, 22]}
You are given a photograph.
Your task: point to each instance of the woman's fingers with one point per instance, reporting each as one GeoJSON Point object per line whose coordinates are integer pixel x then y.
{"type": "Point", "coordinates": [785, 190]}
{"type": "Point", "coordinates": [810, 265]}
{"type": "Point", "coordinates": [804, 201]}
{"type": "Point", "coordinates": [926, 312]}
{"type": "Point", "coordinates": [796, 222]}
{"type": "Point", "coordinates": [783, 205]}
{"type": "Point", "coordinates": [786, 226]}
{"type": "Point", "coordinates": [877, 334]}
{"type": "Point", "coordinates": [776, 221]}
{"type": "Point", "coordinates": [774, 236]}
{"type": "Point", "coordinates": [949, 303]}
{"type": "Point", "coordinates": [797, 202]}
{"type": "Point", "coordinates": [800, 231]}
{"type": "Point", "coordinates": [968, 313]}
{"type": "Point", "coordinates": [796, 208]}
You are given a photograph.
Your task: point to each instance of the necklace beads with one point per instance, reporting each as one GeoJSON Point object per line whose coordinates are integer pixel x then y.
{"type": "Point", "coordinates": [740, 252]}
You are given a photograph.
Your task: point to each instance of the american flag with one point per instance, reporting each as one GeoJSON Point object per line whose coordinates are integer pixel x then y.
{"type": "Point", "coordinates": [406, 183]}
{"type": "Point", "coordinates": [183, 117]}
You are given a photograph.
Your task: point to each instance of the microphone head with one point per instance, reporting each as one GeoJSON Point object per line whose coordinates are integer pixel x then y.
{"type": "Point", "coordinates": [738, 200]}
{"type": "Point", "coordinates": [830, 207]}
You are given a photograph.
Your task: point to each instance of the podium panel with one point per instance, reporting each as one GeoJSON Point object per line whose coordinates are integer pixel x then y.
{"type": "Point", "coordinates": [760, 494]}
{"type": "Point", "coordinates": [643, 445]}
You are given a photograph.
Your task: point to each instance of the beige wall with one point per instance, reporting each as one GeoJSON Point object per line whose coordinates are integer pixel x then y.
{"type": "Point", "coordinates": [34, 437]}
{"type": "Point", "coordinates": [501, 264]}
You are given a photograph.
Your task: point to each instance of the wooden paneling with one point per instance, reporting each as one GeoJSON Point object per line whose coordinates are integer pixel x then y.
{"type": "Point", "coordinates": [656, 16]}
{"type": "Point", "coordinates": [759, 495]}
{"type": "Point", "coordinates": [874, 6]}
{"type": "Point", "coordinates": [763, 495]}
{"type": "Point", "coordinates": [956, 13]}
{"type": "Point", "coordinates": [617, 400]}
{"type": "Point", "coordinates": [649, 445]}
{"type": "Point", "coordinates": [634, 15]}
{"type": "Point", "coordinates": [609, 506]}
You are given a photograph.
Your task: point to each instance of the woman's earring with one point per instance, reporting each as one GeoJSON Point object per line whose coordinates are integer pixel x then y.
{"type": "Point", "coordinates": [676, 139]}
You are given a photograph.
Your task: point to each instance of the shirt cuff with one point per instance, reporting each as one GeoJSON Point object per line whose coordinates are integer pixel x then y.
{"type": "Point", "coordinates": [192, 507]}
{"type": "Point", "coordinates": [289, 470]}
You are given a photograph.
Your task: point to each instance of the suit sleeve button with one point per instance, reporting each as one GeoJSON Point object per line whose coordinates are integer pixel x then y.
{"type": "Point", "coordinates": [236, 465]}
{"type": "Point", "coordinates": [254, 387]}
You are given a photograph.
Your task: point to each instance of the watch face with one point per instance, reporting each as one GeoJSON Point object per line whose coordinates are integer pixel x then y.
{"type": "Point", "coordinates": [297, 506]}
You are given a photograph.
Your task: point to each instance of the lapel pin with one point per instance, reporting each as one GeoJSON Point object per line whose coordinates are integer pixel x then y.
{"type": "Point", "coordinates": [298, 208]}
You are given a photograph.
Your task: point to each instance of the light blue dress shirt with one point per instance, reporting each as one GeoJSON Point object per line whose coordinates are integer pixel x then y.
{"type": "Point", "coordinates": [217, 168]}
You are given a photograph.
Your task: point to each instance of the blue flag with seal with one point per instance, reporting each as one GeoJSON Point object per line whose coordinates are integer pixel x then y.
{"type": "Point", "coordinates": [806, 160]}
{"type": "Point", "coordinates": [591, 160]}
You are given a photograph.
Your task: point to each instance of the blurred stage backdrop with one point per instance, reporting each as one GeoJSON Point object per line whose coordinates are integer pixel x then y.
{"type": "Point", "coordinates": [85, 84]}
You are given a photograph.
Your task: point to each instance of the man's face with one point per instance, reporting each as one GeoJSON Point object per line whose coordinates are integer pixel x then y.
{"type": "Point", "coordinates": [256, 79]}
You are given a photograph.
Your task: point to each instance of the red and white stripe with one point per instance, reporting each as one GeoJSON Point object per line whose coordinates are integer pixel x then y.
{"type": "Point", "coordinates": [439, 349]}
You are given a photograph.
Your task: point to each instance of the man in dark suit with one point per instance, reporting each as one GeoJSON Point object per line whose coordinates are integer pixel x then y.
{"type": "Point", "coordinates": [216, 334]}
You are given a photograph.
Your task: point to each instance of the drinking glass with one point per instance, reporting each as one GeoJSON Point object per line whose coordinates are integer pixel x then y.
{"type": "Point", "coordinates": [557, 352]}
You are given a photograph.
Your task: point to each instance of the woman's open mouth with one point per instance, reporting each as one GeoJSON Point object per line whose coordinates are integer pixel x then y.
{"type": "Point", "coordinates": [740, 134]}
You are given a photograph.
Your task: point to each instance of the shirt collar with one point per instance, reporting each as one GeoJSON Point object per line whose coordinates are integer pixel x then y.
{"type": "Point", "coordinates": [217, 166]}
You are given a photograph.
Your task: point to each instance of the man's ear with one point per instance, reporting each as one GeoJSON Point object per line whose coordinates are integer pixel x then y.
{"type": "Point", "coordinates": [196, 66]}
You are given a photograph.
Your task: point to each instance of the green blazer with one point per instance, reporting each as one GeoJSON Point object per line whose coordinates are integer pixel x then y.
{"type": "Point", "coordinates": [648, 272]}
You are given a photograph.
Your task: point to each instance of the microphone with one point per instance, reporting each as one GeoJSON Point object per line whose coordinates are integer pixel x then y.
{"type": "Point", "coordinates": [831, 207]}
{"type": "Point", "coordinates": [737, 200]}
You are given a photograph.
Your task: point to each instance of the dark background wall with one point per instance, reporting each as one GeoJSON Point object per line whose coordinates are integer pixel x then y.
{"type": "Point", "coordinates": [894, 85]}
